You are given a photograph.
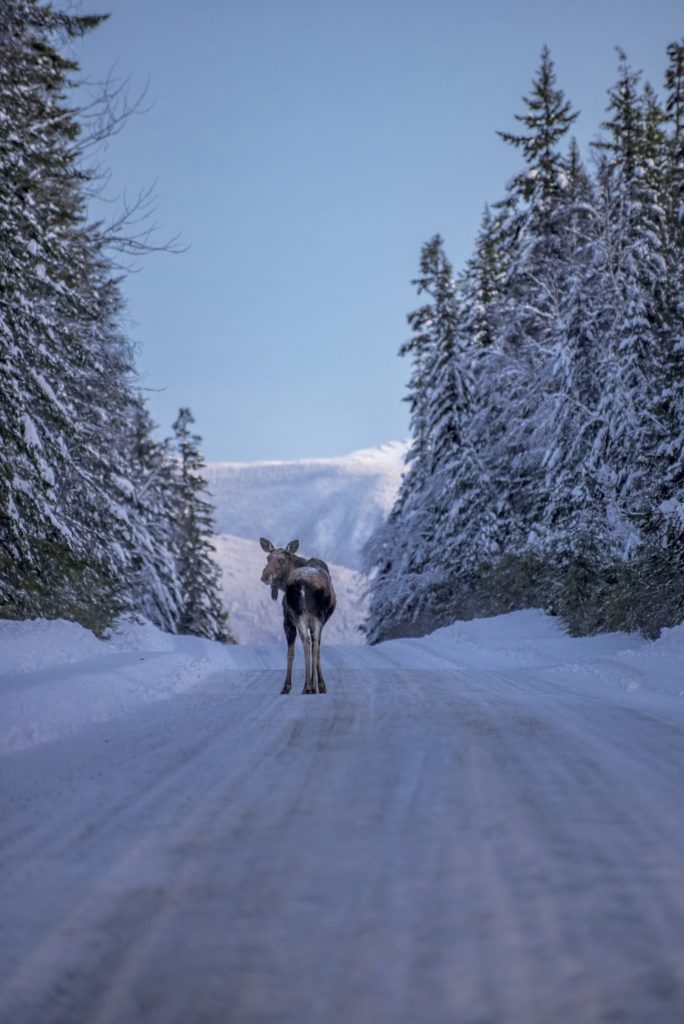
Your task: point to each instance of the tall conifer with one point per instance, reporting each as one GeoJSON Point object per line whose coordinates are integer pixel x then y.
{"type": "Point", "coordinates": [202, 612]}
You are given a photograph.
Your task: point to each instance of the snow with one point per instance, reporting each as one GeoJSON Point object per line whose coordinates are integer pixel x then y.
{"type": "Point", "coordinates": [330, 505]}
{"type": "Point", "coordinates": [672, 507]}
{"type": "Point", "coordinates": [30, 431]}
{"type": "Point", "coordinates": [89, 680]}
{"type": "Point", "coordinates": [57, 679]}
{"type": "Point", "coordinates": [483, 824]}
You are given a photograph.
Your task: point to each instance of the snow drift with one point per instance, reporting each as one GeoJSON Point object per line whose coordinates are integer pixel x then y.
{"type": "Point", "coordinates": [56, 678]}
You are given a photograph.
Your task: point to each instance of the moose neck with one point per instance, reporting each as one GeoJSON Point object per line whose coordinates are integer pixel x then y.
{"type": "Point", "coordinates": [294, 562]}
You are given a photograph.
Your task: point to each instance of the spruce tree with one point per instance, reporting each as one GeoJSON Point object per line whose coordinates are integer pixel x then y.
{"type": "Point", "coordinates": [548, 118]}
{"type": "Point", "coordinates": [550, 388]}
{"type": "Point", "coordinates": [155, 589]}
{"type": "Point", "coordinates": [415, 577]}
{"type": "Point", "coordinates": [448, 399]}
{"type": "Point", "coordinates": [57, 521]}
{"type": "Point", "coordinates": [534, 190]}
{"type": "Point", "coordinates": [672, 396]}
{"type": "Point", "coordinates": [520, 362]}
{"type": "Point", "coordinates": [660, 561]}
{"type": "Point", "coordinates": [202, 612]}
{"type": "Point", "coordinates": [480, 286]}
{"type": "Point", "coordinates": [86, 510]}
{"type": "Point", "coordinates": [399, 555]}
{"type": "Point", "coordinates": [674, 114]}
{"type": "Point", "coordinates": [633, 289]}
{"type": "Point", "coordinates": [575, 535]}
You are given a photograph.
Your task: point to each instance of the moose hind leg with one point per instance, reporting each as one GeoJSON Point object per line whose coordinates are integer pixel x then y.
{"type": "Point", "coordinates": [306, 644]}
{"type": "Point", "coordinates": [316, 644]}
{"type": "Point", "coordinates": [291, 636]}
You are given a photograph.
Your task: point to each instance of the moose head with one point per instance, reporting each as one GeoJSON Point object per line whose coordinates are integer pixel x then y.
{"type": "Point", "coordinates": [278, 564]}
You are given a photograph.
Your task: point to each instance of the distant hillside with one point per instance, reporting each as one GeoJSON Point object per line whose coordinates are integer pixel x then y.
{"type": "Point", "coordinates": [331, 505]}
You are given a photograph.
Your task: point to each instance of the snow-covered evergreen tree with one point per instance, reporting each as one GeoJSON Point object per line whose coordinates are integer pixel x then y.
{"type": "Point", "coordinates": [661, 556]}
{"type": "Point", "coordinates": [86, 516]}
{"type": "Point", "coordinates": [155, 590]}
{"type": "Point", "coordinates": [548, 117]}
{"type": "Point", "coordinates": [633, 288]}
{"type": "Point", "coordinates": [672, 389]}
{"type": "Point", "coordinates": [559, 475]}
{"type": "Point", "coordinates": [575, 539]}
{"type": "Point", "coordinates": [521, 360]}
{"type": "Point", "coordinates": [202, 612]}
{"type": "Point", "coordinates": [399, 553]}
{"type": "Point", "coordinates": [577, 363]}
{"type": "Point", "coordinates": [449, 402]}
{"type": "Point", "coordinates": [420, 563]}
{"type": "Point", "coordinates": [480, 286]}
{"type": "Point", "coordinates": [60, 529]}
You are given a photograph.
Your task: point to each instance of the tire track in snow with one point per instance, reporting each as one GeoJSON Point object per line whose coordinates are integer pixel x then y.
{"type": "Point", "coordinates": [434, 846]}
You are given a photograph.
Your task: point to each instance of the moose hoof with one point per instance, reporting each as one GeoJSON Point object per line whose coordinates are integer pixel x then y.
{"type": "Point", "coordinates": [285, 689]}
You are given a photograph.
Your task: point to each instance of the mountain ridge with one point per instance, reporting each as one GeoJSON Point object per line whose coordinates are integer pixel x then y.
{"type": "Point", "coordinates": [331, 505]}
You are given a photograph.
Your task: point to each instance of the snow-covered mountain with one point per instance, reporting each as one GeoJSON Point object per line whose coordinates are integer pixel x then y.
{"type": "Point", "coordinates": [331, 505]}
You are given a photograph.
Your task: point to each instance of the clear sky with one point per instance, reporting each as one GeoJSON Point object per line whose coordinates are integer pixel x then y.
{"type": "Point", "coordinates": [304, 150]}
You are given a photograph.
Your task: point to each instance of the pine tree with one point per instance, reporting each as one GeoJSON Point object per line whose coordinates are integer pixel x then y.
{"type": "Point", "coordinates": [633, 288]}
{"type": "Point", "coordinates": [481, 284]}
{"type": "Point", "coordinates": [86, 497]}
{"type": "Point", "coordinates": [50, 336]}
{"type": "Point", "coordinates": [419, 565]}
{"type": "Point", "coordinates": [202, 613]}
{"type": "Point", "coordinates": [625, 129]}
{"type": "Point", "coordinates": [661, 557]}
{"type": "Point", "coordinates": [549, 393]}
{"type": "Point", "coordinates": [674, 113]}
{"type": "Point", "coordinates": [480, 514]}
{"type": "Point", "coordinates": [448, 399]}
{"type": "Point", "coordinates": [672, 396]}
{"type": "Point", "coordinates": [401, 551]}
{"type": "Point", "coordinates": [534, 190]}
{"type": "Point", "coordinates": [155, 591]}
{"type": "Point", "coordinates": [520, 362]}
{"type": "Point", "coordinates": [576, 540]}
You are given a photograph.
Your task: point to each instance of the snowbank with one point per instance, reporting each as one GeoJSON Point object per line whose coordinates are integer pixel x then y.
{"type": "Point", "coordinates": [56, 678]}
{"type": "Point", "coordinates": [532, 640]}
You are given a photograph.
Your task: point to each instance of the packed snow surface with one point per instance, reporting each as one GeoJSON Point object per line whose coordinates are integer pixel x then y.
{"type": "Point", "coordinates": [331, 506]}
{"type": "Point", "coordinates": [481, 825]}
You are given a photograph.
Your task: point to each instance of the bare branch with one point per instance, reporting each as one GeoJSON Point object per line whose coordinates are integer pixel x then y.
{"type": "Point", "coordinates": [132, 232]}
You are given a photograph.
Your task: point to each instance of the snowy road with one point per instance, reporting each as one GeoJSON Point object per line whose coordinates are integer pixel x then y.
{"type": "Point", "coordinates": [422, 845]}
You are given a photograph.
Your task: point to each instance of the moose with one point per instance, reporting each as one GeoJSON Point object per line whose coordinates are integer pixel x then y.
{"type": "Point", "coordinates": [308, 603]}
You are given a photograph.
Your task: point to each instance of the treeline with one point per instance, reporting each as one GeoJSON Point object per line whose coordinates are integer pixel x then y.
{"type": "Point", "coordinates": [547, 386]}
{"type": "Point", "coordinates": [97, 518]}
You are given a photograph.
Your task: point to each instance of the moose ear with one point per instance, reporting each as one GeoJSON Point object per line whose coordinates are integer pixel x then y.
{"type": "Point", "coordinates": [265, 544]}
{"type": "Point", "coordinates": [292, 546]}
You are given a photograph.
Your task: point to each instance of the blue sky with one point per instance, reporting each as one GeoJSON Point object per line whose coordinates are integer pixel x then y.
{"type": "Point", "coordinates": [304, 150]}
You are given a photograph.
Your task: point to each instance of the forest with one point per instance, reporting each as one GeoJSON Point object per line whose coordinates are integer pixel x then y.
{"type": "Point", "coordinates": [547, 385]}
{"type": "Point", "coordinates": [97, 517]}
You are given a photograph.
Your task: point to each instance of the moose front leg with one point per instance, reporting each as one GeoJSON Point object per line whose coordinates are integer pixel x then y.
{"type": "Point", "coordinates": [291, 636]}
{"type": "Point", "coordinates": [287, 685]}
